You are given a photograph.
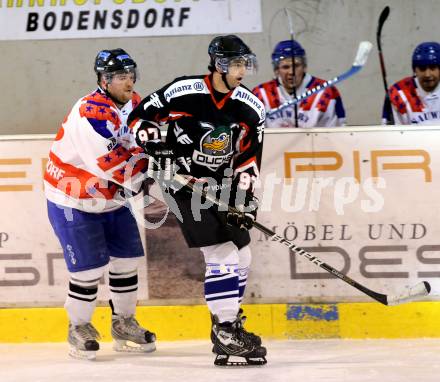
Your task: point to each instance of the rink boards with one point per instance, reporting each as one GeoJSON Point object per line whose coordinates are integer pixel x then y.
{"type": "Point", "coordinates": [362, 199]}
{"type": "Point", "coordinates": [272, 321]}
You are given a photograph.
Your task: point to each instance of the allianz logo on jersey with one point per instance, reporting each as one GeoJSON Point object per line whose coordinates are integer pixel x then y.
{"type": "Point", "coordinates": [215, 146]}
{"type": "Point", "coordinates": [249, 97]}
{"type": "Point", "coordinates": [184, 87]}
{"type": "Point", "coordinates": [252, 101]}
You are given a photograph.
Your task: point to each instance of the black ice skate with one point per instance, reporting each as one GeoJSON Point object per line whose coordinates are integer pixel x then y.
{"type": "Point", "coordinates": [240, 325]}
{"type": "Point", "coordinates": [83, 341]}
{"type": "Point", "coordinates": [232, 340]}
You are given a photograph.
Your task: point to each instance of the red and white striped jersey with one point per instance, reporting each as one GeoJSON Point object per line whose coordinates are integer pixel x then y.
{"type": "Point", "coordinates": [412, 105]}
{"type": "Point", "coordinates": [93, 155]}
{"type": "Point", "coordinates": [323, 109]}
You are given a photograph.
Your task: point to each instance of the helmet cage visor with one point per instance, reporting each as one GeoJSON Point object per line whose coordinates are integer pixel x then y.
{"type": "Point", "coordinates": [122, 74]}
{"type": "Point", "coordinates": [249, 61]}
{"type": "Point", "coordinates": [298, 60]}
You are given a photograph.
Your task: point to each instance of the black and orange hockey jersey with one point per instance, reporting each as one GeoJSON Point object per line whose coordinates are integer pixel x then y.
{"type": "Point", "coordinates": [214, 135]}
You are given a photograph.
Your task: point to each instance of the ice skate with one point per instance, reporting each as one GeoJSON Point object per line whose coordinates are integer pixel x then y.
{"type": "Point", "coordinates": [240, 326]}
{"type": "Point", "coordinates": [129, 336]}
{"type": "Point", "coordinates": [232, 340]}
{"type": "Point", "coordinates": [241, 320]}
{"type": "Point", "coordinates": [83, 341]}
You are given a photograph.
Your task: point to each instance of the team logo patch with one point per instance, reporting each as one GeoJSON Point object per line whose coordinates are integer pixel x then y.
{"type": "Point", "coordinates": [215, 146]}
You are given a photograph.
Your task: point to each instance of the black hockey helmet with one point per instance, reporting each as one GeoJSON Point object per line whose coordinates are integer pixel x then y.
{"type": "Point", "coordinates": [224, 48]}
{"type": "Point", "coordinates": [112, 61]}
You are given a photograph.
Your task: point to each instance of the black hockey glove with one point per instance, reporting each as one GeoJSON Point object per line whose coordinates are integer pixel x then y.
{"type": "Point", "coordinates": [243, 217]}
{"type": "Point", "coordinates": [161, 165]}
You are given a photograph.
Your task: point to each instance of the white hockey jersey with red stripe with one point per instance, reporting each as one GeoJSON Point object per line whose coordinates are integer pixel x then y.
{"type": "Point", "coordinates": [323, 109]}
{"type": "Point", "coordinates": [93, 155]}
{"type": "Point", "coordinates": [412, 105]}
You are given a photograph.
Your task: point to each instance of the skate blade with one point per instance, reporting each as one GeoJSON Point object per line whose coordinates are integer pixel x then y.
{"type": "Point", "coordinates": [126, 346]}
{"type": "Point", "coordinates": [87, 355]}
{"type": "Point", "coordinates": [235, 361]}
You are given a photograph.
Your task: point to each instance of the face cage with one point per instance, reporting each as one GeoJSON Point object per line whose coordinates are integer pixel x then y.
{"type": "Point", "coordinates": [222, 64]}
{"type": "Point", "coordinates": [298, 60]}
{"type": "Point", "coordinates": [423, 67]}
{"type": "Point", "coordinates": [109, 76]}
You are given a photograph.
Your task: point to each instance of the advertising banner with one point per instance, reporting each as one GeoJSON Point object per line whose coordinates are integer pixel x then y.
{"type": "Point", "coordinates": [61, 19]}
{"type": "Point", "coordinates": [363, 200]}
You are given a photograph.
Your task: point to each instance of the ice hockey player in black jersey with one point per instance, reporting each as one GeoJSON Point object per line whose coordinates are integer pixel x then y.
{"type": "Point", "coordinates": [215, 136]}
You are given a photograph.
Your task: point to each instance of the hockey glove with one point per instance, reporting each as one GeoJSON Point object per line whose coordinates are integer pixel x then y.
{"type": "Point", "coordinates": [243, 217]}
{"type": "Point", "coordinates": [161, 165]}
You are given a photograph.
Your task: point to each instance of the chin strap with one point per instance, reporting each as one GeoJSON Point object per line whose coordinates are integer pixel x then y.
{"type": "Point", "coordinates": [225, 81]}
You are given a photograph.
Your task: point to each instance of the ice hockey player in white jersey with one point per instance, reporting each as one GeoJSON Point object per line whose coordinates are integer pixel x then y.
{"type": "Point", "coordinates": [93, 157]}
{"type": "Point", "coordinates": [415, 100]}
{"type": "Point", "coordinates": [323, 109]}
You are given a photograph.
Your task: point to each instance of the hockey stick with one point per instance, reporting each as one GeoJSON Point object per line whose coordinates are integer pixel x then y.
{"type": "Point", "coordinates": [359, 62]}
{"type": "Point", "coordinates": [382, 18]}
{"type": "Point", "coordinates": [419, 290]}
{"type": "Point", "coordinates": [289, 20]}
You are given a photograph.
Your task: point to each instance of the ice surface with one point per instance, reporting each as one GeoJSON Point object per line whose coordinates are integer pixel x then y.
{"type": "Point", "coordinates": [288, 361]}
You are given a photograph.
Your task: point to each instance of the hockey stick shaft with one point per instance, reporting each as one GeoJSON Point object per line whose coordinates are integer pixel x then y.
{"type": "Point", "coordinates": [295, 106]}
{"type": "Point", "coordinates": [382, 18]}
{"type": "Point", "coordinates": [360, 60]}
{"type": "Point", "coordinates": [420, 290]}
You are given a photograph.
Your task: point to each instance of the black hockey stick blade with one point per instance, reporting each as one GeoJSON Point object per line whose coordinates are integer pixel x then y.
{"type": "Point", "coordinates": [420, 290]}
{"type": "Point", "coordinates": [387, 105]}
{"type": "Point", "coordinates": [382, 18]}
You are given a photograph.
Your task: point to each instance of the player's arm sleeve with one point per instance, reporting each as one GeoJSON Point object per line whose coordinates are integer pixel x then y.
{"type": "Point", "coordinates": [149, 116]}
{"type": "Point", "coordinates": [340, 111]}
{"type": "Point", "coordinates": [398, 107]}
{"type": "Point", "coordinates": [399, 118]}
{"type": "Point", "coordinates": [257, 91]}
{"type": "Point", "coordinates": [386, 111]}
{"type": "Point", "coordinates": [247, 161]}
{"type": "Point", "coordinates": [104, 157]}
{"type": "Point", "coordinates": [332, 109]}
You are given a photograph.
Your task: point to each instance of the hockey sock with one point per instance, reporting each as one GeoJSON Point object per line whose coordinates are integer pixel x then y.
{"type": "Point", "coordinates": [221, 280]}
{"type": "Point", "coordinates": [83, 290]}
{"type": "Point", "coordinates": [123, 283]}
{"type": "Point", "coordinates": [243, 273]}
{"type": "Point", "coordinates": [245, 256]}
{"type": "Point", "coordinates": [221, 290]}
